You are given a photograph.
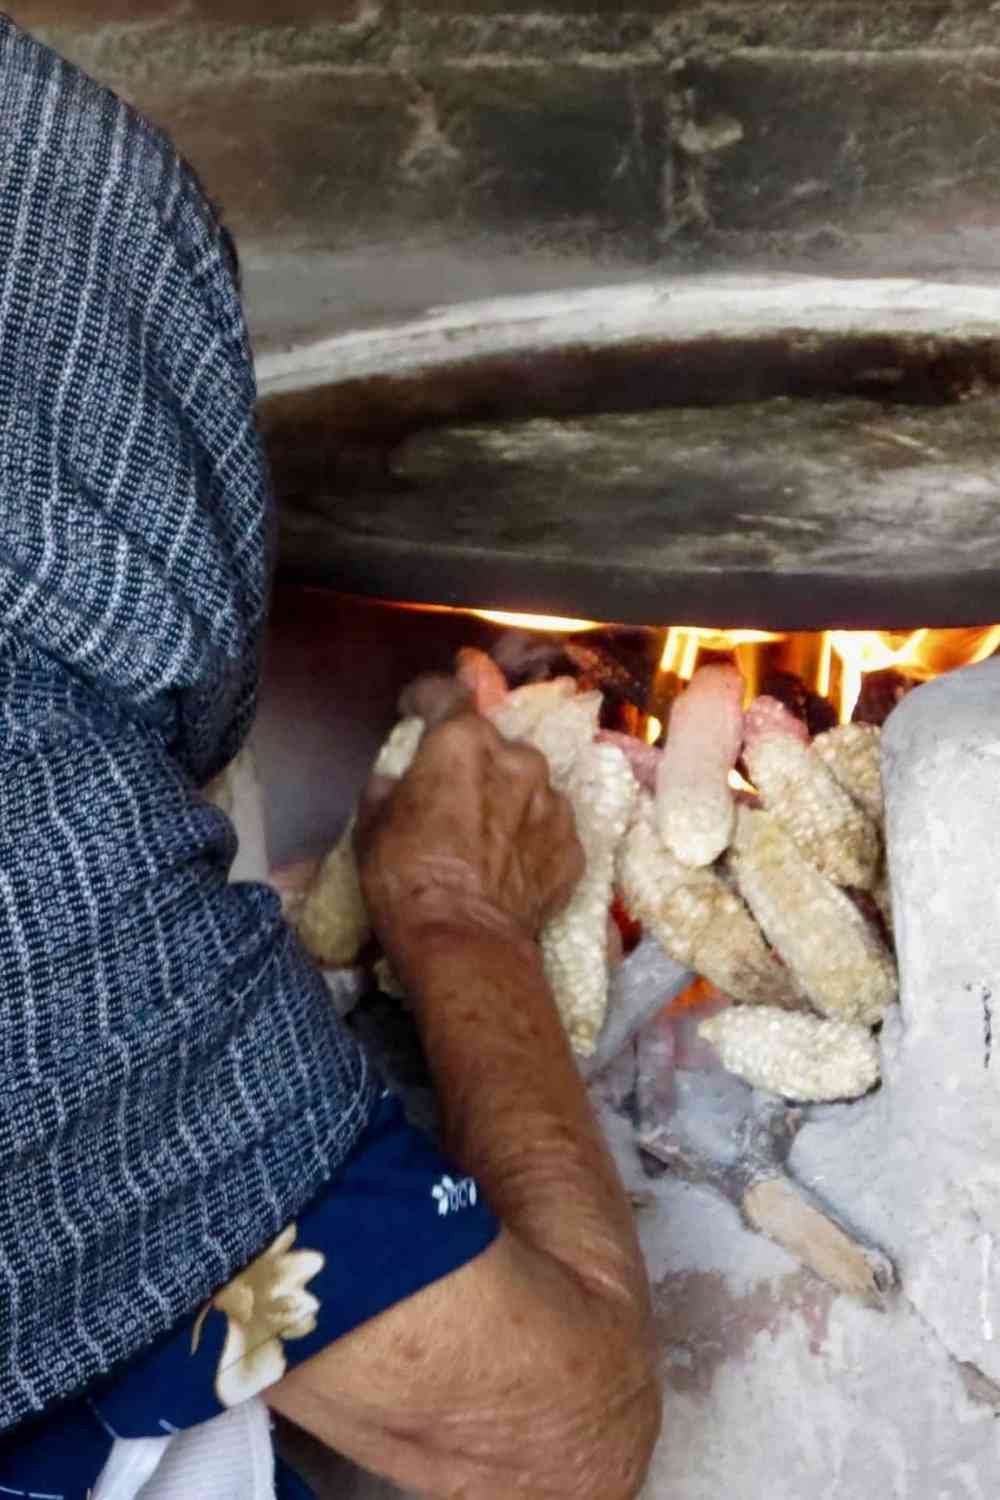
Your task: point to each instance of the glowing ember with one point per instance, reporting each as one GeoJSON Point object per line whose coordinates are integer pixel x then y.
{"type": "Point", "coordinates": [699, 993]}
{"type": "Point", "coordinates": [555, 624]}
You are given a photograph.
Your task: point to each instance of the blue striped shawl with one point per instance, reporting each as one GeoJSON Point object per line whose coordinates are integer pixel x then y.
{"type": "Point", "coordinates": [174, 1086]}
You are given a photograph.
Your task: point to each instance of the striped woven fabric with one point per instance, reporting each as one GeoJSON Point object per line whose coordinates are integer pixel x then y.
{"type": "Point", "coordinates": [174, 1086]}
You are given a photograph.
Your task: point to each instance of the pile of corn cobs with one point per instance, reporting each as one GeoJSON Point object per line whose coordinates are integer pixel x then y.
{"type": "Point", "coordinates": [776, 893]}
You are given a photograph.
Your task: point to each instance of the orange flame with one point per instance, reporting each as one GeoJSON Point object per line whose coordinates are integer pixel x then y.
{"type": "Point", "coordinates": [684, 643]}
{"type": "Point", "coordinates": [844, 655]}
{"type": "Point", "coordinates": [833, 663]}
{"type": "Point", "coordinates": [920, 654]}
{"type": "Point", "coordinates": [553, 624]}
{"type": "Point", "coordinates": [556, 624]}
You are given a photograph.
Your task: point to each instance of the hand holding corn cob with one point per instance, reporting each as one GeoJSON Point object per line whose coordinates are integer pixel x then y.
{"type": "Point", "coordinates": [705, 881]}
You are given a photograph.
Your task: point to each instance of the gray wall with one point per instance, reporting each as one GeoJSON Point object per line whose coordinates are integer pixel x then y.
{"type": "Point", "coordinates": [840, 132]}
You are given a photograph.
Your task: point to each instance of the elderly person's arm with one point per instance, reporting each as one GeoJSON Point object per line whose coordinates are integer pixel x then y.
{"type": "Point", "coordinates": [528, 1372]}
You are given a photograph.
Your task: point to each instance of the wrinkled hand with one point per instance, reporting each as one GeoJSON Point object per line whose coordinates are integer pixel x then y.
{"type": "Point", "coordinates": [472, 836]}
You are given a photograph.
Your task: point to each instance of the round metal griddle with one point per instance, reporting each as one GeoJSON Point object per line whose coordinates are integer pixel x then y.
{"type": "Point", "coordinates": [784, 453]}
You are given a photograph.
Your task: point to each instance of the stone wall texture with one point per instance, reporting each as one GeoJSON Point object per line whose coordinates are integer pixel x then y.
{"type": "Point", "coordinates": [669, 130]}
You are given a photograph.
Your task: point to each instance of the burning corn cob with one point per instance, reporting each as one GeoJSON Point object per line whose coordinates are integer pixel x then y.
{"type": "Point", "coordinates": [574, 944]}
{"type": "Point", "coordinates": [852, 752]}
{"type": "Point", "coordinates": [829, 829]}
{"type": "Point", "coordinates": [838, 959]}
{"type": "Point", "coordinates": [698, 919]}
{"type": "Point", "coordinates": [333, 923]}
{"type": "Point", "coordinates": [801, 1057]}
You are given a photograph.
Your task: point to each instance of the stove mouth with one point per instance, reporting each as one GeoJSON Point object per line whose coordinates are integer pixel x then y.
{"type": "Point", "coordinates": [837, 676]}
{"type": "Point", "coordinates": [793, 476]}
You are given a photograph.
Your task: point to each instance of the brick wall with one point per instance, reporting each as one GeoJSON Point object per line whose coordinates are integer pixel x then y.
{"type": "Point", "coordinates": [671, 132]}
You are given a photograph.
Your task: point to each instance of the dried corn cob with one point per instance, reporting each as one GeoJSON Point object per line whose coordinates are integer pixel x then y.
{"type": "Point", "coordinates": [828, 828]}
{"type": "Point", "coordinates": [697, 918]}
{"type": "Point", "coordinates": [694, 804]}
{"type": "Point", "coordinates": [767, 715]}
{"type": "Point", "coordinates": [836, 956]}
{"type": "Point", "coordinates": [644, 759]}
{"type": "Point", "coordinates": [852, 752]}
{"type": "Point", "coordinates": [564, 733]}
{"type": "Point", "coordinates": [574, 944]}
{"type": "Point", "coordinates": [396, 755]}
{"type": "Point", "coordinates": [524, 708]}
{"type": "Point", "coordinates": [333, 923]}
{"type": "Point", "coordinates": [799, 1056]}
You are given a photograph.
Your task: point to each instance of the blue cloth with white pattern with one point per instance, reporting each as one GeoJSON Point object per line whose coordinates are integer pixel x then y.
{"type": "Point", "coordinates": [174, 1084]}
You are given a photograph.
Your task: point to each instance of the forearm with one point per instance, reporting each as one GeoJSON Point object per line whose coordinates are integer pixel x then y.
{"type": "Point", "coordinates": [516, 1115]}
{"type": "Point", "coordinates": [528, 1372]}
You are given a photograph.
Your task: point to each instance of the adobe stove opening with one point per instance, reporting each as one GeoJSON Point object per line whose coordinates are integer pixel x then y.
{"type": "Point", "coordinates": [800, 475]}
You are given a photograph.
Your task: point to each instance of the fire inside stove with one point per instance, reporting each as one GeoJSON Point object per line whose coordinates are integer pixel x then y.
{"type": "Point", "coordinates": [736, 819]}
{"type": "Point", "coordinates": [727, 791]}
{"type": "Point", "coordinates": [858, 674]}
{"type": "Point", "coordinates": [730, 950]}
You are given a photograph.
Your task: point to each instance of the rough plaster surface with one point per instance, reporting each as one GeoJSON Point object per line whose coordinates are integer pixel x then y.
{"type": "Point", "coordinates": [774, 1386]}
{"type": "Point", "coordinates": [918, 1169]}
{"type": "Point", "coordinates": [847, 132]}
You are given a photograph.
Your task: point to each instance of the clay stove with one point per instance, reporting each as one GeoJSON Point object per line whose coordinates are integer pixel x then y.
{"type": "Point", "coordinates": [828, 475]}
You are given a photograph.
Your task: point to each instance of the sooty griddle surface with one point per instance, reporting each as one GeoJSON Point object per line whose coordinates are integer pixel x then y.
{"type": "Point", "coordinates": [786, 513]}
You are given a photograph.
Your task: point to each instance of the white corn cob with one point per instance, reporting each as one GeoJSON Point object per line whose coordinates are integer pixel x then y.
{"type": "Point", "coordinates": [698, 919]}
{"type": "Point", "coordinates": [236, 792]}
{"type": "Point", "coordinates": [836, 956]}
{"type": "Point", "coordinates": [523, 708]}
{"type": "Point", "coordinates": [574, 944]}
{"type": "Point", "coordinates": [565, 732]}
{"type": "Point", "coordinates": [798, 1056]}
{"type": "Point", "coordinates": [396, 755]}
{"type": "Point", "coordinates": [694, 802]}
{"type": "Point", "coordinates": [333, 923]}
{"type": "Point", "coordinates": [828, 828]}
{"type": "Point", "coordinates": [852, 752]}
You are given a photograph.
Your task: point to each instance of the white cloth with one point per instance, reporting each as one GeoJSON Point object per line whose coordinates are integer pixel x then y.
{"type": "Point", "coordinates": [229, 1458]}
